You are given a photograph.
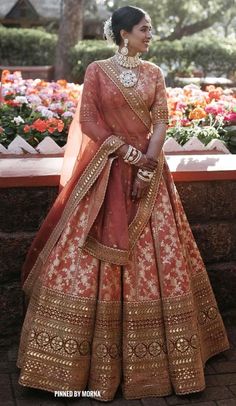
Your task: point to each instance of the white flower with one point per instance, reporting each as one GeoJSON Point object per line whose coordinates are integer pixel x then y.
{"type": "Point", "coordinates": [45, 112]}
{"type": "Point", "coordinates": [55, 106]}
{"type": "Point", "coordinates": [33, 99]}
{"type": "Point", "coordinates": [108, 32]}
{"type": "Point", "coordinates": [67, 114]}
{"type": "Point", "coordinates": [21, 100]}
{"type": "Point", "coordinates": [18, 120]}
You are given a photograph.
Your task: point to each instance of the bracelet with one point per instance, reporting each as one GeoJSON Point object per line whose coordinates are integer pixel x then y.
{"type": "Point", "coordinates": [132, 156]}
{"type": "Point", "coordinates": [128, 153]}
{"type": "Point", "coordinates": [145, 175]}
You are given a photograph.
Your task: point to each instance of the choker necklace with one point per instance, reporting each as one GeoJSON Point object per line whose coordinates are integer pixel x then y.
{"type": "Point", "coordinates": [127, 61]}
{"type": "Point", "coordinates": [127, 77]}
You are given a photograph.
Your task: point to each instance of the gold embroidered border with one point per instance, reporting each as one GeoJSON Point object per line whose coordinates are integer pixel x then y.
{"type": "Point", "coordinates": [105, 253]}
{"type": "Point", "coordinates": [70, 342]}
{"type": "Point", "coordinates": [132, 97]}
{"type": "Point", "coordinates": [146, 205]}
{"type": "Point", "coordinates": [155, 345]}
{"type": "Point", "coordinates": [85, 182]}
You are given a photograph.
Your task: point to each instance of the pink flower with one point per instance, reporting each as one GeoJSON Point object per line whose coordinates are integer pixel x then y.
{"type": "Point", "coordinates": [215, 109]}
{"type": "Point", "coordinates": [230, 116]}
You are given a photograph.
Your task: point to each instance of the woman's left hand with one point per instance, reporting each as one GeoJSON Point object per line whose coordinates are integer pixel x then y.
{"type": "Point", "coordinates": [139, 189]}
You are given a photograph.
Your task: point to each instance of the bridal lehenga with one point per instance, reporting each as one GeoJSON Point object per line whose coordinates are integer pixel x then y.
{"type": "Point", "coordinates": [118, 292]}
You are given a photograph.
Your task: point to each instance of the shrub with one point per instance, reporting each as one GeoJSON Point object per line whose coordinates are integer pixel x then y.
{"type": "Point", "coordinates": [210, 55]}
{"type": "Point", "coordinates": [26, 47]}
{"type": "Point", "coordinates": [36, 47]}
{"type": "Point", "coordinates": [86, 52]}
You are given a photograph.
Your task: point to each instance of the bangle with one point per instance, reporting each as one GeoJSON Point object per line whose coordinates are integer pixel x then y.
{"type": "Point", "coordinates": [132, 156]}
{"type": "Point", "coordinates": [128, 153]}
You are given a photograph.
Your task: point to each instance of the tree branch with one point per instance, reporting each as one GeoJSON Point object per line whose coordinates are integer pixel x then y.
{"type": "Point", "coordinates": [186, 30]}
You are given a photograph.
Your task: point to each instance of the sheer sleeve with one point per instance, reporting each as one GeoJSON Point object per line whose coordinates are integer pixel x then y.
{"type": "Point", "coordinates": [89, 110]}
{"type": "Point", "coordinates": [159, 109]}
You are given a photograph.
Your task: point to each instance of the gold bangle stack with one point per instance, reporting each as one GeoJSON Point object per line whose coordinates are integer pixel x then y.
{"type": "Point", "coordinates": [132, 156]}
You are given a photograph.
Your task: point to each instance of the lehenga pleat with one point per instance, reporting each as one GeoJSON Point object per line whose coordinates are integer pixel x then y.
{"type": "Point", "coordinates": [149, 325]}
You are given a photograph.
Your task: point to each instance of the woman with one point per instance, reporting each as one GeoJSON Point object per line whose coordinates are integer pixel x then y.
{"type": "Point", "coordinates": [118, 292]}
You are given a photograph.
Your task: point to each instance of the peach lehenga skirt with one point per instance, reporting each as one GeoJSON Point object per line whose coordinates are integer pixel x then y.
{"type": "Point", "coordinates": [149, 326]}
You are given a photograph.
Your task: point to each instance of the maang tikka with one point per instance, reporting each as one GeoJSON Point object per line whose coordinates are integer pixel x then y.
{"type": "Point", "coordinates": [124, 50]}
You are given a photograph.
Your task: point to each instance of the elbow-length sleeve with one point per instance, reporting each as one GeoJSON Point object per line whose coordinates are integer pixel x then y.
{"type": "Point", "coordinates": [89, 110]}
{"type": "Point", "coordinates": [159, 109]}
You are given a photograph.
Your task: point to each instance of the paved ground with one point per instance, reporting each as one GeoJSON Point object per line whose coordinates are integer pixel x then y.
{"type": "Point", "coordinates": [220, 379]}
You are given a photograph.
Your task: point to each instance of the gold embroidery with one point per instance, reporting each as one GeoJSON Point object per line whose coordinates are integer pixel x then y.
{"type": "Point", "coordinates": [146, 205]}
{"type": "Point", "coordinates": [105, 253]}
{"type": "Point", "coordinates": [88, 113]}
{"type": "Point", "coordinates": [69, 342]}
{"type": "Point", "coordinates": [131, 95]}
{"type": "Point", "coordinates": [160, 115]}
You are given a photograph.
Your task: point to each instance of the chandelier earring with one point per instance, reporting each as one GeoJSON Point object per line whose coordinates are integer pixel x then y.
{"type": "Point", "coordinates": [124, 50]}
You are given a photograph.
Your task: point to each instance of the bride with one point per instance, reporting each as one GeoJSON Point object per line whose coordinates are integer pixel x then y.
{"type": "Point", "coordinates": [118, 292]}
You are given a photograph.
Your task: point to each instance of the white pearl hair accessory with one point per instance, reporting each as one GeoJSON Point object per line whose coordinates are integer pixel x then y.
{"type": "Point", "coordinates": [108, 33]}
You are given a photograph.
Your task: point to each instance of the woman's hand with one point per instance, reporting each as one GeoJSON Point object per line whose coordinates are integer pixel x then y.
{"type": "Point", "coordinates": [139, 189]}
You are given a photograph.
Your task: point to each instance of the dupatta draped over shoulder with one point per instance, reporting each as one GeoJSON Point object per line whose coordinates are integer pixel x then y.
{"type": "Point", "coordinates": [93, 176]}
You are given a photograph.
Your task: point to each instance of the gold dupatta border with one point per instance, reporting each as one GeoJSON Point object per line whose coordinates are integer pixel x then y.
{"type": "Point", "coordinates": [105, 253]}
{"type": "Point", "coordinates": [86, 180]}
{"type": "Point", "coordinates": [146, 205]}
{"type": "Point", "coordinates": [130, 94]}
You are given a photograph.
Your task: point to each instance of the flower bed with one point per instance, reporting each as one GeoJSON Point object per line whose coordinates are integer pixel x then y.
{"type": "Point", "coordinates": [35, 109]}
{"type": "Point", "coordinates": [209, 114]}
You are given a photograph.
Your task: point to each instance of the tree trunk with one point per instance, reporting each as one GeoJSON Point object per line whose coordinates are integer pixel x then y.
{"type": "Point", "coordinates": [70, 32]}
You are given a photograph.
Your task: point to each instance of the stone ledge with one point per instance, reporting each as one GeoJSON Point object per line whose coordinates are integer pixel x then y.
{"type": "Point", "coordinates": [45, 171]}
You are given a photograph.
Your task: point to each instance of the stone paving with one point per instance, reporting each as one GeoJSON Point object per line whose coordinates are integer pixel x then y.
{"type": "Point", "coordinates": [220, 380]}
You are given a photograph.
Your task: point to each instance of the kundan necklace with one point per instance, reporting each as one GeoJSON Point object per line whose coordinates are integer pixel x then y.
{"type": "Point", "coordinates": [127, 77]}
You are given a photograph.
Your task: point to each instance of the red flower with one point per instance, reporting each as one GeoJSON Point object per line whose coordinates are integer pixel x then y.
{"type": "Point", "coordinates": [40, 125]}
{"type": "Point", "coordinates": [26, 128]}
{"type": "Point", "coordinates": [60, 125]}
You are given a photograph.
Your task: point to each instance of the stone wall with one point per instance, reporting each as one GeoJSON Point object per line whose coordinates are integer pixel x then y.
{"type": "Point", "coordinates": [211, 211]}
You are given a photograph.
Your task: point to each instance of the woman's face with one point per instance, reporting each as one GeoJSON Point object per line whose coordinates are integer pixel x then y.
{"type": "Point", "coordinates": [140, 36]}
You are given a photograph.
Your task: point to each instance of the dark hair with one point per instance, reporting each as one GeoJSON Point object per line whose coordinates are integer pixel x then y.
{"type": "Point", "coordinates": [124, 18]}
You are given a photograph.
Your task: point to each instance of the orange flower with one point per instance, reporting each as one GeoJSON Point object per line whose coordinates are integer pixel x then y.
{"type": "Point", "coordinates": [27, 128]}
{"type": "Point", "coordinates": [214, 92]}
{"type": "Point", "coordinates": [62, 82]}
{"type": "Point", "coordinates": [1, 130]}
{"type": "Point", "coordinates": [5, 74]}
{"type": "Point", "coordinates": [40, 125]}
{"type": "Point", "coordinates": [197, 114]}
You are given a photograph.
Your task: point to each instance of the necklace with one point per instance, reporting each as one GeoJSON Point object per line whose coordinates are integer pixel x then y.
{"type": "Point", "coordinates": [127, 77]}
{"type": "Point", "coordinates": [127, 61]}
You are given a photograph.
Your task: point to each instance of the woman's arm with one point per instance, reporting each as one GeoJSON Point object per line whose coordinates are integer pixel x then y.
{"type": "Point", "coordinates": [157, 140]}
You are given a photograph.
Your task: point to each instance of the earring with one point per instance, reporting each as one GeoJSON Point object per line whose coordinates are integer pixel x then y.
{"type": "Point", "coordinates": [124, 50]}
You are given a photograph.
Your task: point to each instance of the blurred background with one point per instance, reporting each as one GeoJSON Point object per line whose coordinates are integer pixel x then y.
{"type": "Point", "coordinates": [194, 38]}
